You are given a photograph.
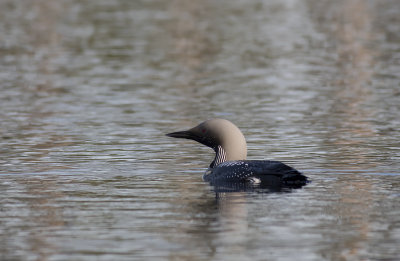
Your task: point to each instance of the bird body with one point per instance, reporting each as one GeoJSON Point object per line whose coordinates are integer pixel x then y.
{"type": "Point", "coordinates": [253, 171]}
{"type": "Point", "coordinates": [230, 164]}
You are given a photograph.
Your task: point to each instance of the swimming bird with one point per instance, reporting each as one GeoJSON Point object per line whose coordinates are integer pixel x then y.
{"type": "Point", "coordinates": [230, 165]}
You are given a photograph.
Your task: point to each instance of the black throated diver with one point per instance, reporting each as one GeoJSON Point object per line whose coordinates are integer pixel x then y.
{"type": "Point", "coordinates": [230, 164]}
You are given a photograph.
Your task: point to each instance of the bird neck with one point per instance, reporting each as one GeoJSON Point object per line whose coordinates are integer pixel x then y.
{"type": "Point", "coordinates": [220, 156]}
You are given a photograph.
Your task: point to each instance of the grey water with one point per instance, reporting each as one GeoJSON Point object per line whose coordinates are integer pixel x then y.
{"type": "Point", "coordinates": [89, 88]}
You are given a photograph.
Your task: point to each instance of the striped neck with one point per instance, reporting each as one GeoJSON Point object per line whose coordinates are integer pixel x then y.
{"type": "Point", "coordinates": [220, 156]}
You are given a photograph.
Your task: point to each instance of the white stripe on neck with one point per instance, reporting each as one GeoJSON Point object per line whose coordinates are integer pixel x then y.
{"type": "Point", "coordinates": [220, 156]}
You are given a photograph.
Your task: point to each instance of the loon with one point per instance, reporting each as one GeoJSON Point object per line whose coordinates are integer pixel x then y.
{"type": "Point", "coordinates": [230, 164]}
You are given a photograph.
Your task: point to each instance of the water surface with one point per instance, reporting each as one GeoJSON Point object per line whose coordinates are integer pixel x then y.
{"type": "Point", "coordinates": [88, 90]}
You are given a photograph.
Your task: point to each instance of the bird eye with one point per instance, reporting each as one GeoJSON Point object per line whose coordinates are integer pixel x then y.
{"type": "Point", "coordinates": [203, 130]}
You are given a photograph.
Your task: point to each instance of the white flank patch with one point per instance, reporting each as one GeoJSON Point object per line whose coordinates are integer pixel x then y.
{"type": "Point", "coordinates": [254, 180]}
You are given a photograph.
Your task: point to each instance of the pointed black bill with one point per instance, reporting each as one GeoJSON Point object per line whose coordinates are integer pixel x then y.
{"type": "Point", "coordinates": [181, 134]}
{"type": "Point", "coordinates": [191, 135]}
